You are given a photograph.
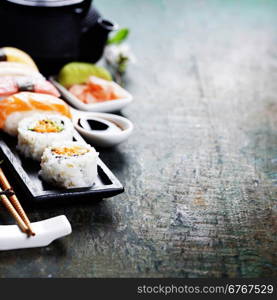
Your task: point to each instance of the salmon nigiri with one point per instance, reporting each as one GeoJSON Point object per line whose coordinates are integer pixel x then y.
{"type": "Point", "coordinates": [18, 106]}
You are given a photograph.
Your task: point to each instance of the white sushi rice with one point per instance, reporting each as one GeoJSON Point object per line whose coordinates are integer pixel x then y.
{"type": "Point", "coordinates": [69, 171]}
{"type": "Point", "coordinates": [32, 144]}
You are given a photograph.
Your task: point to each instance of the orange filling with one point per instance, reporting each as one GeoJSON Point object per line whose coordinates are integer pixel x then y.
{"type": "Point", "coordinates": [46, 126]}
{"type": "Point", "coordinates": [70, 151]}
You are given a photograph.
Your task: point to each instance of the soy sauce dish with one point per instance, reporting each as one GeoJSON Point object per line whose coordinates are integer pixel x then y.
{"type": "Point", "coordinates": [102, 129]}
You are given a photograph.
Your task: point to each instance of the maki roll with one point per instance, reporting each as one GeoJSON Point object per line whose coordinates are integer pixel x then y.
{"type": "Point", "coordinates": [41, 131]}
{"type": "Point", "coordinates": [69, 165]}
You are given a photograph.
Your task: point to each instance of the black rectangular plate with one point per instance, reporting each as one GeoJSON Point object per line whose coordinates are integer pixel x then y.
{"type": "Point", "coordinates": [25, 172]}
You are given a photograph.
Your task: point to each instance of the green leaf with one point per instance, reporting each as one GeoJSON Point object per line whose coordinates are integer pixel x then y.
{"type": "Point", "coordinates": [119, 37]}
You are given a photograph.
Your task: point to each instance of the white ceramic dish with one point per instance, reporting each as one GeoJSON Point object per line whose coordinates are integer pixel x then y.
{"type": "Point", "coordinates": [46, 232]}
{"type": "Point", "coordinates": [119, 130]}
{"type": "Point", "coordinates": [107, 106]}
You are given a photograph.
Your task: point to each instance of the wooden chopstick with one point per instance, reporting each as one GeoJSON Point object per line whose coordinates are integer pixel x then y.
{"type": "Point", "coordinates": [14, 213]}
{"type": "Point", "coordinates": [13, 199]}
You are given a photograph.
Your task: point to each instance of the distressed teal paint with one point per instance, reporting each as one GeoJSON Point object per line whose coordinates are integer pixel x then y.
{"type": "Point", "coordinates": [200, 169]}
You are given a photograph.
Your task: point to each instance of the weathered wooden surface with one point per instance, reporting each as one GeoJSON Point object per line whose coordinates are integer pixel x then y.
{"type": "Point", "coordinates": [200, 170]}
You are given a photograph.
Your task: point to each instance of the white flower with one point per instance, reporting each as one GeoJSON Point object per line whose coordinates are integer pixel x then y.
{"type": "Point", "coordinates": [116, 54]}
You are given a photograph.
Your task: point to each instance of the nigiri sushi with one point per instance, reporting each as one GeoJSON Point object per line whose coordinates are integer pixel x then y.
{"type": "Point", "coordinates": [24, 104]}
{"type": "Point", "coordinates": [12, 54]}
{"type": "Point", "coordinates": [17, 69]}
{"type": "Point", "coordinates": [10, 85]}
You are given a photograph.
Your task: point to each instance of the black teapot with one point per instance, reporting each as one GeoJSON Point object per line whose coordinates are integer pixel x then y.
{"type": "Point", "coordinates": [54, 32]}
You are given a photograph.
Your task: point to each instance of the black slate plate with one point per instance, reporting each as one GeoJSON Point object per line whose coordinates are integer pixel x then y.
{"type": "Point", "coordinates": [25, 172]}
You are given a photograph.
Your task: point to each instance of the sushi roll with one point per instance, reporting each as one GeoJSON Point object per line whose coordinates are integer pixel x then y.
{"type": "Point", "coordinates": [10, 85]}
{"type": "Point", "coordinates": [69, 165]}
{"type": "Point", "coordinates": [40, 131]}
{"type": "Point", "coordinates": [25, 104]}
{"type": "Point", "coordinates": [12, 54]}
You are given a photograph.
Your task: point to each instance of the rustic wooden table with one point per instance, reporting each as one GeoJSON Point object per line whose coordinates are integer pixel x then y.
{"type": "Point", "coordinates": [200, 171]}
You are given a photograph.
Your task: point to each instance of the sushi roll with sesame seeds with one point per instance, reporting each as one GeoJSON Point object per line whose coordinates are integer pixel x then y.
{"type": "Point", "coordinates": [69, 165]}
{"type": "Point", "coordinates": [40, 131]}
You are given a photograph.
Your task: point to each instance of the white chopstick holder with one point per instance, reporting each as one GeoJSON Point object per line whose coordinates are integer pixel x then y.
{"type": "Point", "coordinates": [11, 237]}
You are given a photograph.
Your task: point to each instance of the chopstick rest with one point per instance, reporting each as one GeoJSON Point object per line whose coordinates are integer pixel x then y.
{"type": "Point", "coordinates": [11, 237]}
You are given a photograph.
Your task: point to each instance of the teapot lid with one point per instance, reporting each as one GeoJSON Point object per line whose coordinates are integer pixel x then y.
{"type": "Point", "coordinates": [46, 3]}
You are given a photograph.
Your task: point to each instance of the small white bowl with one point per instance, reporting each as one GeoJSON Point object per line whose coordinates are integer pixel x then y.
{"type": "Point", "coordinates": [103, 138]}
{"type": "Point", "coordinates": [106, 106]}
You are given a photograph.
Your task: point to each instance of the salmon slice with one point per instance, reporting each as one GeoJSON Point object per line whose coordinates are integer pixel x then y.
{"type": "Point", "coordinates": [27, 101]}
